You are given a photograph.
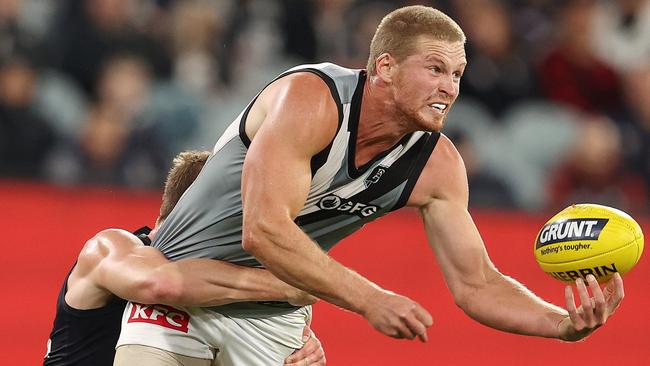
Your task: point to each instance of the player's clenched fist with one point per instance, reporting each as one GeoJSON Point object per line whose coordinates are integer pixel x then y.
{"type": "Point", "coordinates": [397, 316]}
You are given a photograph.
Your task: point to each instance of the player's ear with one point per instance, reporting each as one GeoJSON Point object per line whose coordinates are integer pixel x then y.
{"type": "Point", "coordinates": [385, 67]}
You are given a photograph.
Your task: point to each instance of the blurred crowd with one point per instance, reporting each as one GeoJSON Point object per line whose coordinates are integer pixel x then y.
{"type": "Point", "coordinates": [554, 106]}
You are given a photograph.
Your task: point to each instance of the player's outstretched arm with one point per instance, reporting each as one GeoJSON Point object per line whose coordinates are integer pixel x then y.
{"type": "Point", "coordinates": [478, 287]}
{"type": "Point", "coordinates": [116, 262]}
{"type": "Point", "coordinates": [298, 119]}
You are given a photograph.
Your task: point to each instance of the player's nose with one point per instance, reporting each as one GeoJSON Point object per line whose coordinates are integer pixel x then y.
{"type": "Point", "coordinates": [449, 87]}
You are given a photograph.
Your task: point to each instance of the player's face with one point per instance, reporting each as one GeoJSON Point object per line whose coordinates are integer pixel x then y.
{"type": "Point", "coordinates": [427, 82]}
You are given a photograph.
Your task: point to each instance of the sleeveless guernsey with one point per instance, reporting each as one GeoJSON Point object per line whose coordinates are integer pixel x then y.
{"type": "Point", "coordinates": [207, 221]}
{"type": "Point", "coordinates": [86, 337]}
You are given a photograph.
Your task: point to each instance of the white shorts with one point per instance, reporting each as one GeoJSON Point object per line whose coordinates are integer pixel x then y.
{"type": "Point", "coordinates": [200, 333]}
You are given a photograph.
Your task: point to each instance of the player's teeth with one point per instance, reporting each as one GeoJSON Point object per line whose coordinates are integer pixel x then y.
{"type": "Point", "coordinates": [439, 106]}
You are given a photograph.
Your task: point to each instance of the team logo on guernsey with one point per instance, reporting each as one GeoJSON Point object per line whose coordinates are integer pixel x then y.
{"type": "Point", "coordinates": [570, 230]}
{"type": "Point", "coordinates": [375, 175]}
{"type": "Point", "coordinates": [334, 202]}
{"type": "Point", "coordinates": [162, 315]}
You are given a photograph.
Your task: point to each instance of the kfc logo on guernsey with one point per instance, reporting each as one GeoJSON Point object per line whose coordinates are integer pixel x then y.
{"type": "Point", "coordinates": [334, 202]}
{"type": "Point", "coordinates": [570, 230]}
{"type": "Point", "coordinates": [162, 315]}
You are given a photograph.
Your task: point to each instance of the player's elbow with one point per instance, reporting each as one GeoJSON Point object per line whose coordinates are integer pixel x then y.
{"type": "Point", "coordinates": [471, 291]}
{"type": "Point", "coordinates": [469, 299]}
{"type": "Point", "coordinates": [257, 236]}
{"type": "Point", "coordinates": [463, 298]}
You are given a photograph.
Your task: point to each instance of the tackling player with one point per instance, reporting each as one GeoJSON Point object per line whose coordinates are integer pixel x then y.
{"type": "Point", "coordinates": [115, 265]}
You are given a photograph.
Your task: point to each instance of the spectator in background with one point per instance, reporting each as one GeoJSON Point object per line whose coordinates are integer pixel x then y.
{"type": "Point", "coordinates": [571, 73]}
{"type": "Point", "coordinates": [25, 137]}
{"type": "Point", "coordinates": [622, 33]}
{"type": "Point", "coordinates": [485, 189]}
{"type": "Point", "coordinates": [195, 31]}
{"type": "Point", "coordinates": [114, 147]}
{"type": "Point", "coordinates": [362, 20]}
{"type": "Point", "coordinates": [637, 93]}
{"type": "Point", "coordinates": [25, 23]}
{"type": "Point", "coordinates": [533, 23]}
{"type": "Point", "coordinates": [297, 23]}
{"type": "Point", "coordinates": [499, 74]}
{"type": "Point", "coordinates": [91, 31]}
{"type": "Point", "coordinates": [331, 29]}
{"type": "Point", "coordinates": [344, 28]}
{"type": "Point", "coordinates": [11, 34]}
{"type": "Point", "coordinates": [595, 172]}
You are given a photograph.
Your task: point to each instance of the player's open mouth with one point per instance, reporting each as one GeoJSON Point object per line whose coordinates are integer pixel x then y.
{"type": "Point", "coordinates": [439, 107]}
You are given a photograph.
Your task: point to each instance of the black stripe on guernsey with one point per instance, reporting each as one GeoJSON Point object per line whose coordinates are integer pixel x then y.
{"type": "Point", "coordinates": [396, 174]}
{"type": "Point", "coordinates": [319, 159]}
{"type": "Point", "coordinates": [416, 169]}
{"type": "Point", "coordinates": [406, 168]}
{"type": "Point", "coordinates": [242, 123]}
{"type": "Point", "coordinates": [353, 128]}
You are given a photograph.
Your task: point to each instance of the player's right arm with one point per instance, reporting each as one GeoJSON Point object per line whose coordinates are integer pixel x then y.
{"type": "Point", "coordinates": [478, 287]}
{"type": "Point", "coordinates": [293, 120]}
{"type": "Point", "coordinates": [114, 261]}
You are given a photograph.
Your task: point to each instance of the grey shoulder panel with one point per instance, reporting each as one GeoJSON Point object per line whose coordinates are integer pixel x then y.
{"type": "Point", "coordinates": [206, 222]}
{"type": "Point", "coordinates": [345, 80]}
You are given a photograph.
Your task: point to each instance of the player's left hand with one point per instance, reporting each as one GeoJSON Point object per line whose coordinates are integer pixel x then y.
{"type": "Point", "coordinates": [593, 311]}
{"type": "Point", "coordinates": [311, 353]}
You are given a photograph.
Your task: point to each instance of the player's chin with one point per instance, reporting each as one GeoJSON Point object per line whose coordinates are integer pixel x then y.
{"type": "Point", "coordinates": [432, 123]}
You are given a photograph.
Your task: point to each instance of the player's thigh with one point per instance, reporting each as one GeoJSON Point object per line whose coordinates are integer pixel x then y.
{"type": "Point", "coordinates": [250, 353]}
{"type": "Point", "coordinates": [263, 342]}
{"type": "Point", "coordinates": [131, 354]}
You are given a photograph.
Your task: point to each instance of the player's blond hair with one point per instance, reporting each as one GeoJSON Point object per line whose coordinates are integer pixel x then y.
{"type": "Point", "coordinates": [398, 32]}
{"type": "Point", "coordinates": [185, 168]}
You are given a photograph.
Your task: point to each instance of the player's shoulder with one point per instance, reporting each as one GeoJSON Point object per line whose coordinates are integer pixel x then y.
{"type": "Point", "coordinates": [444, 175]}
{"type": "Point", "coordinates": [446, 156]}
{"type": "Point", "coordinates": [300, 107]}
{"type": "Point", "coordinates": [302, 86]}
{"type": "Point", "coordinates": [327, 71]}
{"type": "Point", "coordinates": [114, 235]}
{"type": "Point", "coordinates": [107, 242]}
{"type": "Point", "coordinates": [326, 80]}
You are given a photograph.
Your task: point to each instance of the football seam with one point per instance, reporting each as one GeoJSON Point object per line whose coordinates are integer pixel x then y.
{"type": "Point", "coordinates": [624, 222]}
{"type": "Point", "coordinates": [593, 256]}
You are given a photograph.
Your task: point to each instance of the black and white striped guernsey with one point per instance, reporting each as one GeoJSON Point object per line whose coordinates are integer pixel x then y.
{"type": "Point", "coordinates": [207, 221]}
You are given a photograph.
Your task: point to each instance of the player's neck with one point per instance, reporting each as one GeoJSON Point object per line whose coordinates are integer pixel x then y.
{"type": "Point", "coordinates": [379, 125]}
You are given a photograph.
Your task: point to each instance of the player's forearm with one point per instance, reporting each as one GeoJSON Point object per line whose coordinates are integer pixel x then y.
{"type": "Point", "coordinates": [208, 282]}
{"type": "Point", "coordinates": [293, 257]}
{"type": "Point", "coordinates": [505, 304]}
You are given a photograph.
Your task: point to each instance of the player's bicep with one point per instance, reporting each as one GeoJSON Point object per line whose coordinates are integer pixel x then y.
{"type": "Point", "coordinates": [450, 228]}
{"type": "Point", "coordinates": [275, 178]}
{"type": "Point", "coordinates": [457, 244]}
{"type": "Point", "coordinates": [300, 120]}
{"type": "Point", "coordinates": [127, 270]}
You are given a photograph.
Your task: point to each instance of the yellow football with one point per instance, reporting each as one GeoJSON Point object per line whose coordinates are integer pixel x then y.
{"type": "Point", "coordinates": [588, 239]}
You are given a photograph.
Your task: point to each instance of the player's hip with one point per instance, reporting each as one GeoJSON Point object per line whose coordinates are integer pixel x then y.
{"type": "Point", "coordinates": [199, 332]}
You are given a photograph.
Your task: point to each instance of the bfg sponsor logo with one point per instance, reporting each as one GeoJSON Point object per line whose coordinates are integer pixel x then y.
{"type": "Point", "coordinates": [570, 230]}
{"type": "Point", "coordinates": [334, 202]}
